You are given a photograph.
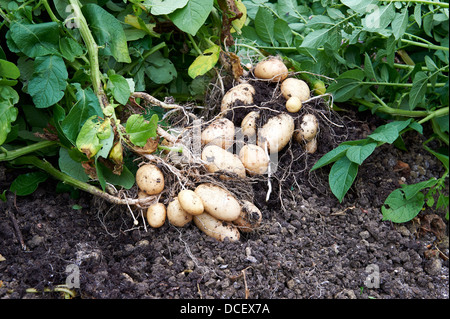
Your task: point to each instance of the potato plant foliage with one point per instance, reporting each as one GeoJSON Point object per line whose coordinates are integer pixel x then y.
{"type": "Point", "coordinates": [73, 73]}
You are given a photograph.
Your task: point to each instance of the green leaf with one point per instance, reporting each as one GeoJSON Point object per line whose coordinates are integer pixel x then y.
{"type": "Point", "coordinates": [36, 40]}
{"type": "Point", "coordinates": [191, 17]}
{"type": "Point", "coordinates": [411, 190]}
{"type": "Point", "coordinates": [87, 105]}
{"type": "Point", "coordinates": [125, 179]}
{"type": "Point", "coordinates": [71, 167]}
{"type": "Point", "coordinates": [160, 70]}
{"type": "Point", "coordinates": [8, 70]}
{"type": "Point", "coordinates": [360, 6]}
{"type": "Point", "coordinates": [418, 89]}
{"type": "Point", "coordinates": [264, 25]}
{"type": "Point", "coordinates": [368, 68]}
{"type": "Point", "coordinates": [89, 140]}
{"type": "Point", "coordinates": [107, 32]}
{"type": "Point", "coordinates": [49, 81]}
{"type": "Point", "coordinates": [315, 39]}
{"type": "Point", "coordinates": [341, 177]}
{"type": "Point", "coordinates": [344, 89]}
{"type": "Point", "coordinates": [418, 14]}
{"type": "Point", "coordinates": [388, 133]}
{"type": "Point", "coordinates": [26, 184]}
{"type": "Point", "coordinates": [283, 33]}
{"type": "Point", "coordinates": [358, 153]}
{"type": "Point", "coordinates": [70, 49]}
{"type": "Point", "coordinates": [140, 130]}
{"type": "Point", "coordinates": [119, 87]}
{"type": "Point", "coordinates": [400, 23]}
{"type": "Point", "coordinates": [379, 18]}
{"type": "Point", "coordinates": [331, 156]}
{"type": "Point", "coordinates": [160, 7]}
{"type": "Point", "coordinates": [8, 113]}
{"type": "Point", "coordinates": [205, 62]}
{"type": "Point", "coordinates": [398, 209]}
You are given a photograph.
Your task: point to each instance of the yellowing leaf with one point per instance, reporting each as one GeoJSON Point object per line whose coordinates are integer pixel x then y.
{"type": "Point", "coordinates": [204, 62]}
{"type": "Point", "coordinates": [239, 23]}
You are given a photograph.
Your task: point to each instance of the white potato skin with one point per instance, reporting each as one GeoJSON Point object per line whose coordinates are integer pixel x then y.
{"type": "Point", "coordinates": [254, 159]}
{"type": "Point", "coordinates": [176, 215]}
{"type": "Point", "coordinates": [216, 228]}
{"type": "Point", "coordinates": [216, 158]}
{"type": "Point", "coordinates": [156, 215]}
{"type": "Point", "coordinates": [293, 104]}
{"type": "Point", "coordinates": [220, 132]}
{"type": "Point", "coordinates": [243, 92]}
{"type": "Point", "coordinates": [190, 202]}
{"type": "Point", "coordinates": [272, 69]}
{"type": "Point", "coordinates": [277, 132]}
{"type": "Point", "coordinates": [249, 219]}
{"type": "Point", "coordinates": [308, 128]}
{"type": "Point", "coordinates": [311, 146]}
{"type": "Point", "coordinates": [218, 202]}
{"type": "Point", "coordinates": [248, 124]}
{"type": "Point", "coordinates": [150, 179]}
{"type": "Point", "coordinates": [295, 87]}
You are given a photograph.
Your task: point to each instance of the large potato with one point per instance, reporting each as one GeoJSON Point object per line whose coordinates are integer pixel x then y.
{"type": "Point", "coordinates": [190, 202]}
{"type": "Point", "coordinates": [276, 132]}
{"type": "Point", "coordinates": [242, 92]}
{"type": "Point", "coordinates": [220, 132]}
{"type": "Point", "coordinates": [218, 202]}
{"type": "Point", "coordinates": [308, 128]}
{"type": "Point", "coordinates": [176, 215]}
{"type": "Point", "coordinates": [254, 159]}
{"type": "Point", "coordinates": [218, 159]}
{"type": "Point", "coordinates": [295, 87]}
{"type": "Point", "coordinates": [216, 228]}
{"type": "Point", "coordinates": [249, 219]}
{"type": "Point", "coordinates": [156, 215]}
{"type": "Point", "coordinates": [248, 124]}
{"type": "Point", "coordinates": [272, 69]}
{"type": "Point", "coordinates": [150, 179]}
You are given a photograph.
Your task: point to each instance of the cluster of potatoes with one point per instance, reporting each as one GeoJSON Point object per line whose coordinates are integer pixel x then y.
{"type": "Point", "coordinates": [213, 209]}
{"type": "Point", "coordinates": [276, 133]}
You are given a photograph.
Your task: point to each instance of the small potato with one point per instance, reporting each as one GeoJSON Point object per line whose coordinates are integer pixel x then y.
{"type": "Point", "coordinates": [277, 132]}
{"type": "Point", "coordinates": [295, 87]}
{"type": "Point", "coordinates": [218, 202]}
{"type": "Point", "coordinates": [215, 228]}
{"type": "Point", "coordinates": [311, 146]}
{"type": "Point", "coordinates": [254, 158]}
{"type": "Point", "coordinates": [220, 132]}
{"type": "Point", "coordinates": [248, 124]}
{"type": "Point", "coordinates": [156, 215]}
{"type": "Point", "coordinates": [249, 219]}
{"type": "Point", "coordinates": [190, 202]}
{"type": "Point", "coordinates": [218, 159]}
{"type": "Point", "coordinates": [272, 69]}
{"type": "Point", "coordinates": [242, 92]}
{"type": "Point", "coordinates": [150, 179]}
{"type": "Point", "coordinates": [308, 128]}
{"type": "Point", "coordinates": [293, 105]}
{"type": "Point", "coordinates": [176, 215]}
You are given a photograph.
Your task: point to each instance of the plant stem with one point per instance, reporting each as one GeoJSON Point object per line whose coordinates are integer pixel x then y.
{"type": "Point", "coordinates": [11, 155]}
{"type": "Point", "coordinates": [194, 44]}
{"type": "Point", "coordinates": [49, 11]}
{"type": "Point", "coordinates": [69, 180]}
{"type": "Point", "coordinates": [389, 110]}
{"type": "Point", "coordinates": [425, 45]}
{"type": "Point", "coordinates": [439, 112]}
{"type": "Point", "coordinates": [440, 4]}
{"type": "Point", "coordinates": [407, 85]}
{"type": "Point", "coordinates": [92, 48]}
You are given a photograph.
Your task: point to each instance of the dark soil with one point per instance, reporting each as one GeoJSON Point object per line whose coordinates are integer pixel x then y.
{"type": "Point", "coordinates": [309, 246]}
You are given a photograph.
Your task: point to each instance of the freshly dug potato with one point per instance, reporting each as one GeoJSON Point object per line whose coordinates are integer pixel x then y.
{"type": "Point", "coordinates": [156, 215]}
{"type": "Point", "coordinates": [248, 124]}
{"type": "Point", "coordinates": [220, 132]}
{"type": "Point", "coordinates": [218, 159]}
{"type": "Point", "coordinates": [272, 69]}
{"type": "Point", "coordinates": [311, 146]}
{"type": "Point", "coordinates": [293, 105]}
{"type": "Point", "coordinates": [254, 159]}
{"type": "Point", "coordinates": [215, 228]}
{"type": "Point", "coordinates": [218, 202]}
{"type": "Point", "coordinates": [150, 179]}
{"type": "Point", "coordinates": [243, 92]}
{"type": "Point", "coordinates": [190, 202]}
{"type": "Point", "coordinates": [308, 128]}
{"type": "Point", "coordinates": [295, 87]}
{"type": "Point", "coordinates": [176, 215]}
{"type": "Point", "coordinates": [249, 219]}
{"type": "Point", "coordinates": [276, 132]}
